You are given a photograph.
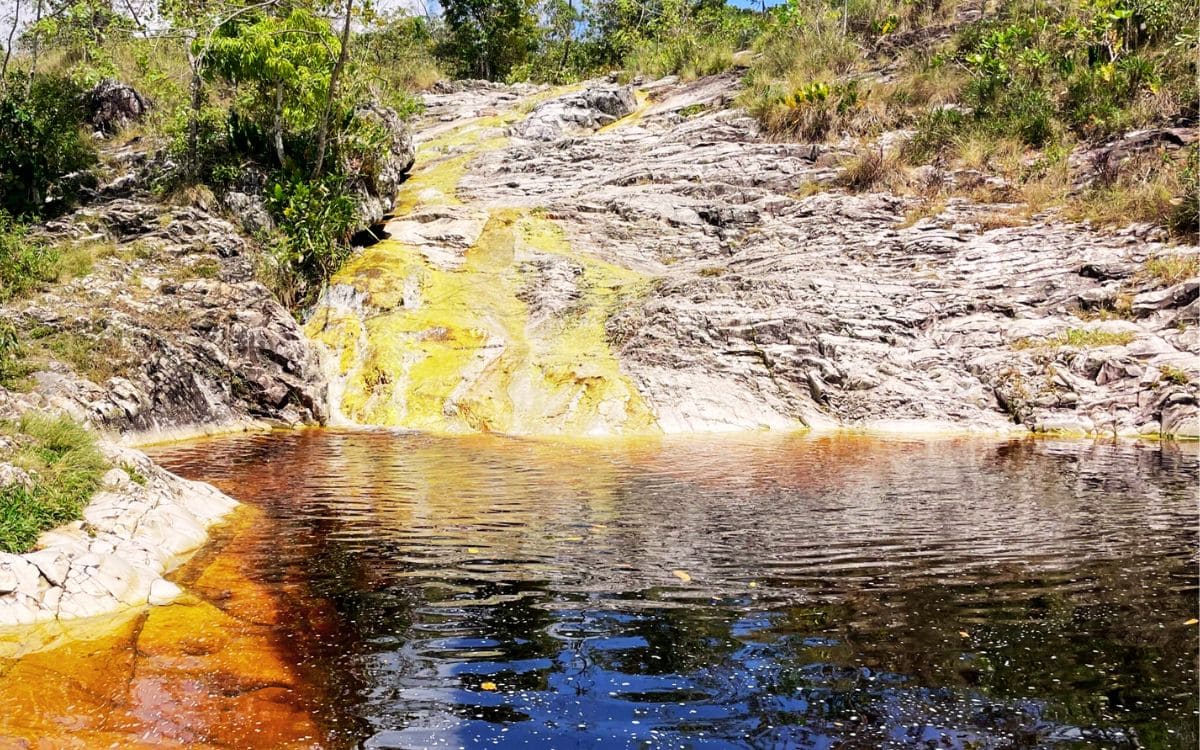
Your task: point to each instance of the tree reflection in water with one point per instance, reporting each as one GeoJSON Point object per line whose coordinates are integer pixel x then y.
{"type": "Point", "coordinates": [840, 592]}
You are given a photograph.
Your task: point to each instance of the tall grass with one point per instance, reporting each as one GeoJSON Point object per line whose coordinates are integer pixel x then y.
{"type": "Point", "coordinates": [65, 465]}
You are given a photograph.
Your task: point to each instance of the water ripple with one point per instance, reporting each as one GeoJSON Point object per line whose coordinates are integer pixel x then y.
{"type": "Point", "coordinates": [755, 592]}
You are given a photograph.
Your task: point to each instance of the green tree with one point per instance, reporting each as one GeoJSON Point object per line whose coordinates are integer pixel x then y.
{"type": "Point", "coordinates": [41, 142]}
{"type": "Point", "coordinates": [282, 67]}
{"type": "Point", "coordinates": [488, 38]}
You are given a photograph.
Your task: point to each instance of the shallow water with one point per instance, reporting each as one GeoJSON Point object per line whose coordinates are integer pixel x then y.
{"type": "Point", "coordinates": [764, 592]}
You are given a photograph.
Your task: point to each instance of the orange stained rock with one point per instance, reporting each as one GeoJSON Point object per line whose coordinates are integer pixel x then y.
{"type": "Point", "coordinates": [206, 672]}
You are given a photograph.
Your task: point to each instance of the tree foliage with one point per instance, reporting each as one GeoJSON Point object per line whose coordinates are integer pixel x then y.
{"type": "Point", "coordinates": [42, 143]}
{"type": "Point", "coordinates": [488, 38]}
{"type": "Point", "coordinates": [280, 67]}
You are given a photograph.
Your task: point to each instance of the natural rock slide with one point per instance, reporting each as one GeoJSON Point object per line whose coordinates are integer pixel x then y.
{"type": "Point", "coordinates": [588, 262]}
{"type": "Point", "coordinates": [594, 260]}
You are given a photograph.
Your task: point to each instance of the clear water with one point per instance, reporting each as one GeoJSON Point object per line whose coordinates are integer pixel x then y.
{"type": "Point", "coordinates": [765, 592]}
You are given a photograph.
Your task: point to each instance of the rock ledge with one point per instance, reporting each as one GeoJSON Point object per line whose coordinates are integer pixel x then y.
{"type": "Point", "coordinates": [138, 526]}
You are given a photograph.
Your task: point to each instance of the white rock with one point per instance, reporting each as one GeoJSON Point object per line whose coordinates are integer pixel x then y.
{"type": "Point", "coordinates": [8, 580]}
{"type": "Point", "coordinates": [52, 563]}
{"type": "Point", "coordinates": [163, 592]}
{"type": "Point", "coordinates": [115, 478]}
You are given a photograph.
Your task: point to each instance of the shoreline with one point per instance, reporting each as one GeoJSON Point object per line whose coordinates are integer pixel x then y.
{"type": "Point", "coordinates": [132, 534]}
{"type": "Point", "coordinates": [141, 524]}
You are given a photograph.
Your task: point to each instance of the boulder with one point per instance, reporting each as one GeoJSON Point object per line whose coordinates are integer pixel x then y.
{"type": "Point", "coordinates": [578, 112]}
{"type": "Point", "coordinates": [112, 106]}
{"type": "Point", "coordinates": [376, 174]}
{"type": "Point", "coordinates": [250, 211]}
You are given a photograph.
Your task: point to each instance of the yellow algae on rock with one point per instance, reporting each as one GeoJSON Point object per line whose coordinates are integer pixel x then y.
{"type": "Point", "coordinates": [633, 118]}
{"type": "Point", "coordinates": [426, 333]}
{"type": "Point", "coordinates": [456, 351]}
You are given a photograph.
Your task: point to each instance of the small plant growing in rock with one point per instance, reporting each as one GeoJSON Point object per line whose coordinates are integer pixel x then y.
{"type": "Point", "coordinates": [12, 358]}
{"type": "Point", "coordinates": [1169, 270]}
{"type": "Point", "coordinates": [135, 476]}
{"type": "Point", "coordinates": [1084, 338]}
{"type": "Point", "coordinates": [1169, 374]}
{"type": "Point", "coordinates": [1079, 338]}
{"type": "Point", "coordinates": [870, 170]}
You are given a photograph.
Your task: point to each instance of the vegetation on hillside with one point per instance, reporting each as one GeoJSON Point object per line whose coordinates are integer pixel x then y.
{"type": "Point", "coordinates": [260, 96]}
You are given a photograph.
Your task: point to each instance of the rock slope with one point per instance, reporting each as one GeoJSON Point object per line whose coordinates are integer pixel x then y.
{"type": "Point", "coordinates": [732, 295]}
{"type": "Point", "coordinates": [168, 331]}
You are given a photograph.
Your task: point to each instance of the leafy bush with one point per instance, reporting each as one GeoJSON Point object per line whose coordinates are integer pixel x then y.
{"type": "Point", "coordinates": [66, 466]}
{"type": "Point", "coordinates": [315, 220]}
{"type": "Point", "coordinates": [1090, 69]}
{"type": "Point", "coordinates": [41, 143]}
{"type": "Point", "coordinates": [813, 111]}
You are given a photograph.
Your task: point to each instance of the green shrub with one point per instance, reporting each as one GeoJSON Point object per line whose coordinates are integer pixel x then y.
{"type": "Point", "coordinates": [66, 466]}
{"type": "Point", "coordinates": [315, 221]}
{"type": "Point", "coordinates": [25, 263]}
{"type": "Point", "coordinates": [1037, 67]}
{"type": "Point", "coordinates": [41, 143]}
{"type": "Point", "coordinates": [814, 110]}
{"type": "Point", "coordinates": [216, 161]}
{"type": "Point", "coordinates": [935, 132]}
{"type": "Point", "coordinates": [688, 40]}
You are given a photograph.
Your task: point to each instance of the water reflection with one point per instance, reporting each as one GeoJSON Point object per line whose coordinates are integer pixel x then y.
{"type": "Point", "coordinates": [768, 592]}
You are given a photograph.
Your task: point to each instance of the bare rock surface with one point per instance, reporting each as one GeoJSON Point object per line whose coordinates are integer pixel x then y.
{"type": "Point", "coordinates": [774, 306]}
{"type": "Point", "coordinates": [168, 330]}
{"type": "Point", "coordinates": [578, 112]}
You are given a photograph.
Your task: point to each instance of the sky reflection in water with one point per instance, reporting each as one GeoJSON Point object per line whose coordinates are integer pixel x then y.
{"type": "Point", "coordinates": [739, 592]}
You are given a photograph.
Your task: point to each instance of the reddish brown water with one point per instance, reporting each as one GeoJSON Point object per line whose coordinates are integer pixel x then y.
{"type": "Point", "coordinates": [415, 591]}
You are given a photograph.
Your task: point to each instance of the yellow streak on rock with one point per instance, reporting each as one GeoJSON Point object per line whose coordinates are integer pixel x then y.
{"type": "Point", "coordinates": [450, 347]}
{"type": "Point", "coordinates": [634, 117]}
